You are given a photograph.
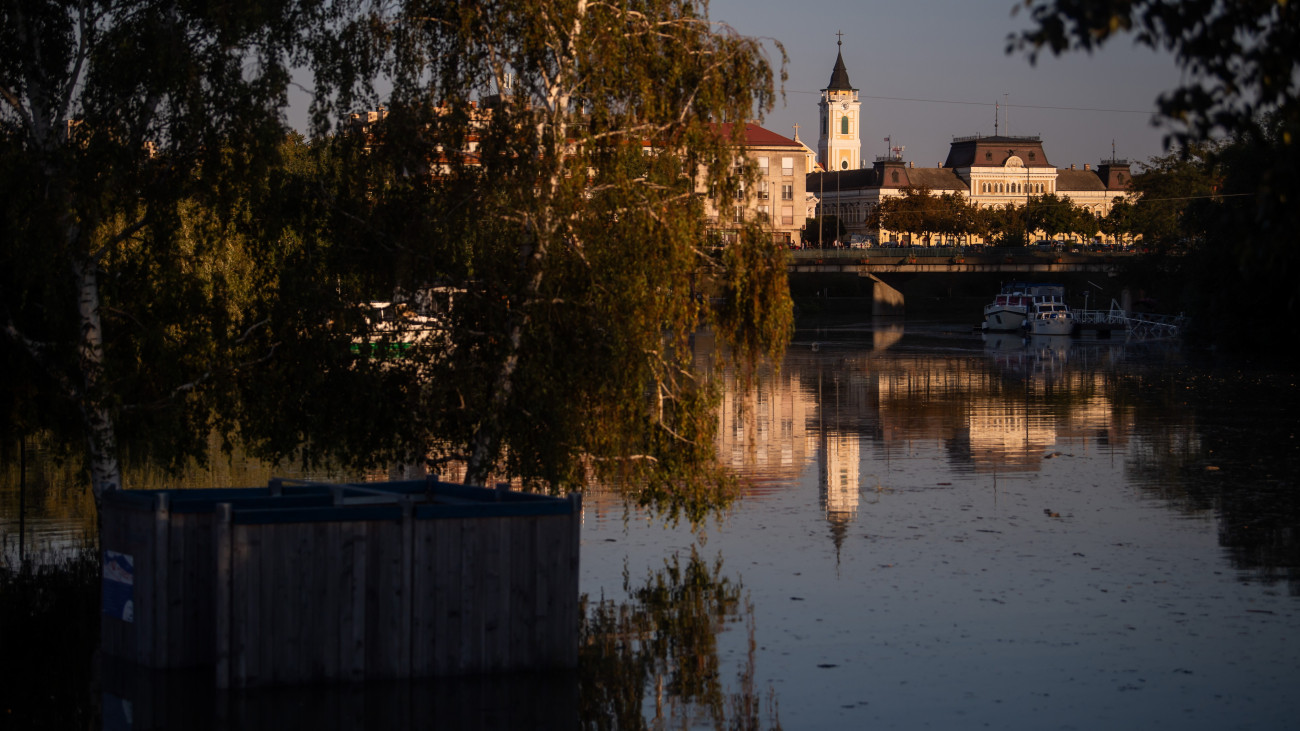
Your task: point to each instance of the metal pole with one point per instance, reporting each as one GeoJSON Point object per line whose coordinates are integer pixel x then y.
{"type": "Point", "coordinates": [821, 209]}
{"type": "Point", "coordinates": [22, 499]}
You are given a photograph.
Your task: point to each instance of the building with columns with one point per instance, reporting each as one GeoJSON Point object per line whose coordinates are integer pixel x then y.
{"type": "Point", "coordinates": [989, 171]}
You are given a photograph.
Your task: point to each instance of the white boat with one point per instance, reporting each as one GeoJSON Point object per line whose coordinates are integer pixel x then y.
{"type": "Point", "coordinates": [1007, 311]}
{"type": "Point", "coordinates": [1049, 315]}
{"type": "Point", "coordinates": [1011, 307]}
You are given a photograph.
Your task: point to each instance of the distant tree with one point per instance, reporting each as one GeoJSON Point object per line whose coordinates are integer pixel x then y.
{"type": "Point", "coordinates": [1239, 86]}
{"type": "Point", "coordinates": [1121, 221]}
{"type": "Point", "coordinates": [1168, 192]}
{"type": "Point", "coordinates": [1006, 225]}
{"type": "Point", "coordinates": [827, 229]}
{"type": "Point", "coordinates": [916, 210]}
{"type": "Point", "coordinates": [1049, 214]}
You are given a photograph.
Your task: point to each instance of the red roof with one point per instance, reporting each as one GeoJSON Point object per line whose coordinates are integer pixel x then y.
{"type": "Point", "coordinates": [756, 136]}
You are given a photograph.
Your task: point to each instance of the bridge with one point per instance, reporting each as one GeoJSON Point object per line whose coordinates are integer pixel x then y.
{"type": "Point", "coordinates": [873, 266]}
{"type": "Point", "coordinates": [939, 259]}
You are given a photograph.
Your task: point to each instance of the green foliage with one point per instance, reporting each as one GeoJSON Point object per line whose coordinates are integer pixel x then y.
{"type": "Point", "coordinates": [1169, 197]}
{"type": "Point", "coordinates": [572, 238]}
{"type": "Point", "coordinates": [1239, 88]}
{"type": "Point", "coordinates": [180, 267]}
{"type": "Point", "coordinates": [822, 231]}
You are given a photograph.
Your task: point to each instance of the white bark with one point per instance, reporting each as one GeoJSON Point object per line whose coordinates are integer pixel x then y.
{"type": "Point", "coordinates": [101, 433]}
{"type": "Point", "coordinates": [559, 95]}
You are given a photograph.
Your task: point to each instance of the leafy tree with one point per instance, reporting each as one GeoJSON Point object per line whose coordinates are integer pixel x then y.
{"type": "Point", "coordinates": [826, 228]}
{"type": "Point", "coordinates": [1239, 85]}
{"type": "Point", "coordinates": [915, 211]}
{"type": "Point", "coordinates": [1049, 214]}
{"type": "Point", "coordinates": [573, 238]}
{"type": "Point", "coordinates": [1121, 221]}
{"type": "Point", "coordinates": [1006, 225]}
{"type": "Point", "coordinates": [165, 242]}
{"type": "Point", "coordinates": [127, 131]}
{"type": "Point", "coordinates": [1167, 194]}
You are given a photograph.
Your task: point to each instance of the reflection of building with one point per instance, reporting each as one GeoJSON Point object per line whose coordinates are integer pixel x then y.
{"type": "Point", "coordinates": [838, 459]}
{"type": "Point", "coordinates": [763, 430]}
{"type": "Point", "coordinates": [1005, 436]}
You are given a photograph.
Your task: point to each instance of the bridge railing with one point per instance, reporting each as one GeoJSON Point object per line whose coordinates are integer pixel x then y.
{"type": "Point", "coordinates": [886, 253]}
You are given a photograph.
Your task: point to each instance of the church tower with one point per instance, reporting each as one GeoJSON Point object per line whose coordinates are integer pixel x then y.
{"type": "Point", "coordinates": [839, 146]}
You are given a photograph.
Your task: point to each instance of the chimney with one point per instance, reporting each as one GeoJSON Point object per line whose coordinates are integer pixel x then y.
{"type": "Point", "coordinates": [912, 164]}
{"type": "Point", "coordinates": [1071, 166]}
{"type": "Point", "coordinates": [1086, 166]}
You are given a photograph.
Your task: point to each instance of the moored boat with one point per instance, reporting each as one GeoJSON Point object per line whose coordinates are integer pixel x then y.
{"type": "Point", "coordinates": [1049, 315]}
{"type": "Point", "coordinates": [1008, 309]}
{"type": "Point", "coordinates": [1011, 307]}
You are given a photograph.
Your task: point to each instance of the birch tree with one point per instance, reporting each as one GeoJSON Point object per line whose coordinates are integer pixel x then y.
{"type": "Point", "coordinates": [572, 146]}
{"type": "Point", "coordinates": [127, 128]}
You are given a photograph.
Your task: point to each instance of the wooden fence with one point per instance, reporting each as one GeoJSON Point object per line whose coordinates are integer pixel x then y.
{"type": "Point", "coordinates": [296, 584]}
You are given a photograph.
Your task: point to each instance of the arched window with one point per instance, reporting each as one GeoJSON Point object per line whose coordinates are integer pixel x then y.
{"type": "Point", "coordinates": [844, 124]}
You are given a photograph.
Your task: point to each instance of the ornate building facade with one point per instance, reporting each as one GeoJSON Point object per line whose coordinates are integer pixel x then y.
{"type": "Point", "coordinates": [988, 171]}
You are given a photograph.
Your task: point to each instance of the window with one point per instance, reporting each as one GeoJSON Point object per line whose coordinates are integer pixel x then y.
{"type": "Point", "coordinates": [787, 192]}
{"type": "Point", "coordinates": [787, 166]}
{"type": "Point", "coordinates": [739, 216]}
{"type": "Point", "coordinates": [762, 166]}
{"type": "Point", "coordinates": [844, 124]}
{"type": "Point", "coordinates": [787, 215]}
{"type": "Point", "coordinates": [764, 212]}
{"type": "Point", "coordinates": [762, 190]}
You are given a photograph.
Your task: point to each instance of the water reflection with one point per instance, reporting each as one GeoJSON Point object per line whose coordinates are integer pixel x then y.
{"type": "Point", "coordinates": [849, 399]}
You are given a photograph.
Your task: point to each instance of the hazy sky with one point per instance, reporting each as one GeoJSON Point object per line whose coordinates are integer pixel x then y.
{"type": "Point", "coordinates": [931, 70]}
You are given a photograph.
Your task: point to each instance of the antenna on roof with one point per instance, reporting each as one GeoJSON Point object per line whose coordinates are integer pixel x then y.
{"type": "Point", "coordinates": [996, 110]}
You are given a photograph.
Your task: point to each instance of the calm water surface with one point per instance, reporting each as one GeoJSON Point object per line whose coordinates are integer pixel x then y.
{"type": "Point", "coordinates": [943, 530]}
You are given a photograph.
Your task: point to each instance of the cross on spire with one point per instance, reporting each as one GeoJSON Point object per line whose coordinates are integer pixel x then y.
{"type": "Point", "coordinates": [839, 38]}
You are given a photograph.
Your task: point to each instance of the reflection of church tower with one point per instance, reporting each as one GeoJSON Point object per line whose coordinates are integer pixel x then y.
{"type": "Point", "coordinates": [839, 144]}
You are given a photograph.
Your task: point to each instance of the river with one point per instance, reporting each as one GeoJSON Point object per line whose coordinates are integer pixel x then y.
{"type": "Point", "coordinates": [947, 530]}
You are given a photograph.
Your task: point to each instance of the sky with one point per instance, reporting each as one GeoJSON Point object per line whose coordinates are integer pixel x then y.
{"type": "Point", "coordinates": [931, 70]}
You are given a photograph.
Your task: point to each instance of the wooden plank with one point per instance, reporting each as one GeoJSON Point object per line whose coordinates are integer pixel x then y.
{"type": "Point", "coordinates": [323, 562]}
{"type": "Point", "coordinates": [242, 582]}
{"type": "Point", "coordinates": [386, 643]}
{"type": "Point", "coordinates": [161, 582]}
{"type": "Point", "coordinates": [222, 546]}
{"type": "Point", "coordinates": [174, 599]}
{"type": "Point", "coordinates": [353, 635]}
{"type": "Point", "coordinates": [470, 579]}
{"type": "Point", "coordinates": [281, 635]}
{"type": "Point", "coordinates": [493, 565]}
{"type": "Point", "coordinates": [423, 600]}
{"type": "Point", "coordinates": [406, 590]}
{"type": "Point", "coordinates": [447, 590]}
{"type": "Point", "coordinates": [523, 585]}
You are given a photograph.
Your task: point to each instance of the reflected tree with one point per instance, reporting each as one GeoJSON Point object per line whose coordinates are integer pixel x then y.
{"type": "Point", "coordinates": [661, 647]}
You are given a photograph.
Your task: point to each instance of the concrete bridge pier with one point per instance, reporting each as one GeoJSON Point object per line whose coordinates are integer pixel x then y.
{"type": "Point", "coordinates": [885, 300]}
